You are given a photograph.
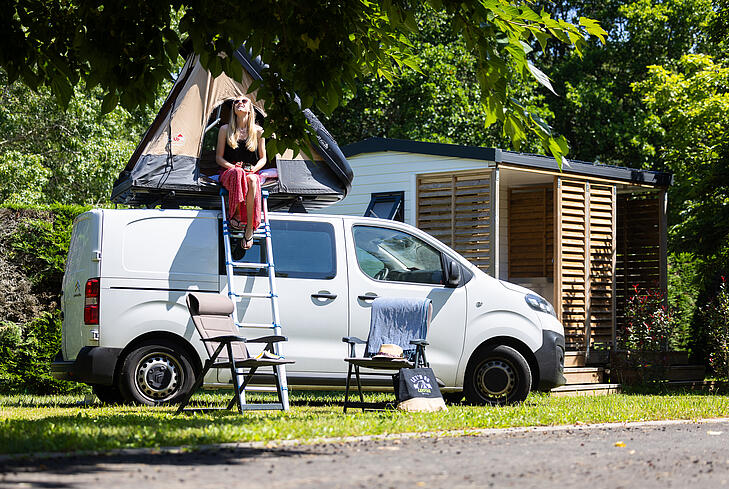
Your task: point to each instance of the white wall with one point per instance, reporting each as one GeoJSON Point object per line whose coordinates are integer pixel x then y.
{"type": "Point", "coordinates": [392, 171]}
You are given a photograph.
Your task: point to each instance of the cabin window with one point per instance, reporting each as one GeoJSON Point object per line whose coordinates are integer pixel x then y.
{"type": "Point", "coordinates": [390, 255]}
{"type": "Point", "coordinates": [387, 205]}
{"type": "Point", "coordinates": [300, 249]}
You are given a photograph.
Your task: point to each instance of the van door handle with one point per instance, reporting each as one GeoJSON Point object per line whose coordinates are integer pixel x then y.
{"type": "Point", "coordinates": [367, 297]}
{"type": "Point", "coordinates": [324, 296]}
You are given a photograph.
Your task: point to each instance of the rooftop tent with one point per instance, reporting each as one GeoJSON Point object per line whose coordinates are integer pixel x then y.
{"type": "Point", "coordinates": [174, 159]}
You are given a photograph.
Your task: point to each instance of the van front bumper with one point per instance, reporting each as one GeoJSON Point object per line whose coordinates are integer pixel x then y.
{"type": "Point", "coordinates": [93, 365]}
{"type": "Point", "coordinates": [550, 358]}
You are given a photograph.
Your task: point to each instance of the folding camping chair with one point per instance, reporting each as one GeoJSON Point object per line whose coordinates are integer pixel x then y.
{"type": "Point", "coordinates": [211, 315]}
{"type": "Point", "coordinates": [399, 321]}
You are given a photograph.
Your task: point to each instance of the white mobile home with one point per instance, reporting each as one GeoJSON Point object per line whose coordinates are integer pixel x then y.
{"type": "Point", "coordinates": [581, 236]}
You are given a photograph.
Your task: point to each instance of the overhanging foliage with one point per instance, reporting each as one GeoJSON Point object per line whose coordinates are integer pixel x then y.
{"type": "Point", "coordinates": [315, 49]}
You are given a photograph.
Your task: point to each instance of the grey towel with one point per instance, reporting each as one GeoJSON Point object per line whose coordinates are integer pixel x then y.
{"type": "Point", "coordinates": [397, 321]}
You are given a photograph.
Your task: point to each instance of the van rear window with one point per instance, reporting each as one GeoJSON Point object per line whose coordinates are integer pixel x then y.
{"type": "Point", "coordinates": [300, 250]}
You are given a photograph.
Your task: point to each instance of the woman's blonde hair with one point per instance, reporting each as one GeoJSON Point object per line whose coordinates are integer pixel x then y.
{"type": "Point", "coordinates": [252, 139]}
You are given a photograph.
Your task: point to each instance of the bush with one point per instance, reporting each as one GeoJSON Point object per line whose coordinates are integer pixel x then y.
{"type": "Point", "coordinates": [684, 285]}
{"type": "Point", "coordinates": [716, 318]}
{"type": "Point", "coordinates": [33, 248]}
{"type": "Point", "coordinates": [26, 352]}
{"type": "Point", "coordinates": [648, 323]}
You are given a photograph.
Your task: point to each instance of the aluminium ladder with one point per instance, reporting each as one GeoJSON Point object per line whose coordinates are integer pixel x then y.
{"type": "Point", "coordinates": [262, 233]}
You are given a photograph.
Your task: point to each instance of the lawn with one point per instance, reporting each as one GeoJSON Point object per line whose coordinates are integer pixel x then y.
{"type": "Point", "coordinates": [32, 424]}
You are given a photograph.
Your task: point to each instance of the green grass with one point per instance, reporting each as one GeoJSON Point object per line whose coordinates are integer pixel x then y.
{"type": "Point", "coordinates": [32, 424]}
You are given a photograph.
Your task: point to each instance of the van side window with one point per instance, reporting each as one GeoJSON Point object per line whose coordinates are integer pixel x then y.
{"type": "Point", "coordinates": [394, 256]}
{"type": "Point", "coordinates": [300, 250]}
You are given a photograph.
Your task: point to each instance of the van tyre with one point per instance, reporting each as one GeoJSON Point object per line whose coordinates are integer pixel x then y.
{"type": "Point", "coordinates": [156, 372]}
{"type": "Point", "coordinates": [497, 376]}
{"type": "Point", "coordinates": [108, 394]}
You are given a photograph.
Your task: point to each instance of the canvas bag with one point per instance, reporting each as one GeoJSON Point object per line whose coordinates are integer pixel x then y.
{"type": "Point", "coordinates": [416, 390]}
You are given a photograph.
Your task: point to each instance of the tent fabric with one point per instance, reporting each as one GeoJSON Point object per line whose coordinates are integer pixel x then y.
{"type": "Point", "coordinates": [169, 156]}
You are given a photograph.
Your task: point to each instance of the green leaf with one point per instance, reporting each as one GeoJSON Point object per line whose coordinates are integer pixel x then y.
{"type": "Point", "coordinates": [234, 69]}
{"type": "Point", "coordinates": [111, 100]}
{"type": "Point", "coordinates": [593, 28]}
{"type": "Point", "coordinates": [62, 89]}
{"type": "Point", "coordinates": [540, 76]}
{"type": "Point", "coordinates": [559, 148]}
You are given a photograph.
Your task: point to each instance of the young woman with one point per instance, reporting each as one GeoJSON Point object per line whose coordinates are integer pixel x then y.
{"type": "Point", "coordinates": [241, 153]}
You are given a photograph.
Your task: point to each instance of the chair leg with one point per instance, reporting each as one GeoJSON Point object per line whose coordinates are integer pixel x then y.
{"type": "Point", "coordinates": [278, 386]}
{"type": "Point", "coordinates": [346, 388]}
{"type": "Point", "coordinates": [236, 382]}
{"type": "Point", "coordinates": [359, 386]}
{"type": "Point", "coordinates": [195, 387]}
{"type": "Point", "coordinates": [420, 360]}
{"type": "Point", "coordinates": [248, 377]}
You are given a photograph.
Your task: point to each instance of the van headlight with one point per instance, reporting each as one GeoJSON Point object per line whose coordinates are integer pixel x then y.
{"type": "Point", "coordinates": [539, 304]}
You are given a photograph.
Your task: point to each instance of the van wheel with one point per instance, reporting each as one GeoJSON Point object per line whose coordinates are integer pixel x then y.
{"type": "Point", "coordinates": [156, 372]}
{"type": "Point", "coordinates": [497, 375]}
{"type": "Point", "coordinates": [108, 394]}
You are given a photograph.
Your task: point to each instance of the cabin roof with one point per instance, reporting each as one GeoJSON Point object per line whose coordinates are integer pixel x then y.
{"type": "Point", "coordinates": [499, 156]}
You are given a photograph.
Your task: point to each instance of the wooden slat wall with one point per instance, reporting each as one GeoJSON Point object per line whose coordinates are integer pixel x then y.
{"type": "Point", "coordinates": [531, 232]}
{"type": "Point", "coordinates": [458, 210]}
{"type": "Point", "coordinates": [585, 265]}
{"type": "Point", "coordinates": [602, 277]}
{"type": "Point", "coordinates": [573, 225]}
{"type": "Point", "coordinates": [638, 247]}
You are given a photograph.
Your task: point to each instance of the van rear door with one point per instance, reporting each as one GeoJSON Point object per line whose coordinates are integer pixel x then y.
{"type": "Point", "coordinates": [83, 263]}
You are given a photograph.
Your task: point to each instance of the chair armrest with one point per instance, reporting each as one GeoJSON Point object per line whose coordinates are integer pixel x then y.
{"type": "Point", "coordinates": [419, 342]}
{"type": "Point", "coordinates": [224, 339]}
{"type": "Point", "coordinates": [268, 339]}
{"type": "Point", "coordinates": [353, 340]}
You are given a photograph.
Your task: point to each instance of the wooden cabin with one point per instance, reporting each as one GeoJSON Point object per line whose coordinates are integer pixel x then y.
{"type": "Point", "coordinates": [581, 236]}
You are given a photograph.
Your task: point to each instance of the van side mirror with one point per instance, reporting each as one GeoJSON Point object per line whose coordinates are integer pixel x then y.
{"type": "Point", "coordinates": [453, 274]}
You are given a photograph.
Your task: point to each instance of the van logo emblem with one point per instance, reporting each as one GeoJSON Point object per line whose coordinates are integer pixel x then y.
{"type": "Point", "coordinates": [77, 288]}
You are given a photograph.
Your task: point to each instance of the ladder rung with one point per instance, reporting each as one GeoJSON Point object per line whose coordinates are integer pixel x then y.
{"type": "Point", "coordinates": [241, 234]}
{"type": "Point", "coordinates": [253, 294]}
{"type": "Point", "coordinates": [241, 264]}
{"type": "Point", "coordinates": [256, 325]}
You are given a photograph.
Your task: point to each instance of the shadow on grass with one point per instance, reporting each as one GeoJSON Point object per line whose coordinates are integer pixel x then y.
{"type": "Point", "coordinates": [217, 397]}
{"type": "Point", "coordinates": [98, 430]}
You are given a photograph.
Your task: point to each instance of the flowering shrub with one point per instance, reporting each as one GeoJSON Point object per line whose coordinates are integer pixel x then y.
{"type": "Point", "coordinates": [648, 322]}
{"type": "Point", "coordinates": [716, 316]}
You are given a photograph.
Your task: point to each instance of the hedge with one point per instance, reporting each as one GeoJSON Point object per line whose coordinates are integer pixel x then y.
{"type": "Point", "coordinates": [33, 247]}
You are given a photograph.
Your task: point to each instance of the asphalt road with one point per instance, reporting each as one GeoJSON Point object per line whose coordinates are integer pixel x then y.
{"type": "Point", "coordinates": [655, 455]}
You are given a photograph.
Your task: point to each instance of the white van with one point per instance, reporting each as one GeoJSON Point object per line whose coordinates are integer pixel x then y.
{"type": "Point", "coordinates": [127, 331]}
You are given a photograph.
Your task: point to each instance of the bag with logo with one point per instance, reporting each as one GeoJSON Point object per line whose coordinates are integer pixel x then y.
{"type": "Point", "coordinates": [416, 390]}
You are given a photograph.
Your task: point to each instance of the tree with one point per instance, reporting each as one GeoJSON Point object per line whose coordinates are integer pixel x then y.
{"type": "Point", "coordinates": [48, 154]}
{"type": "Point", "coordinates": [597, 109]}
{"type": "Point", "coordinates": [687, 113]}
{"type": "Point", "coordinates": [314, 49]}
{"type": "Point", "coordinates": [441, 102]}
